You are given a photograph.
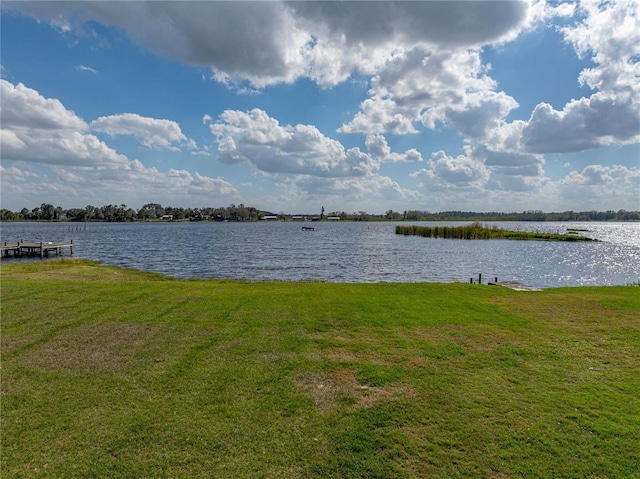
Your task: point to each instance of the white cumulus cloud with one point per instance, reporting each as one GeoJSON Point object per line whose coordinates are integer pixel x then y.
{"type": "Point", "coordinates": [256, 139]}
{"type": "Point", "coordinates": [446, 173]}
{"type": "Point", "coordinates": [38, 130]}
{"type": "Point", "coordinates": [610, 35]}
{"type": "Point", "coordinates": [380, 150]}
{"type": "Point", "coordinates": [600, 187]}
{"type": "Point", "coordinates": [153, 133]}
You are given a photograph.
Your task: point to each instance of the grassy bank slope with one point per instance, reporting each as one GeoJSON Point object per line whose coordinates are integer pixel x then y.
{"type": "Point", "coordinates": [116, 373]}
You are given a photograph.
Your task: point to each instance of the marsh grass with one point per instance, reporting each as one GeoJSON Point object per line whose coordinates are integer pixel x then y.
{"type": "Point", "coordinates": [117, 373]}
{"type": "Point", "coordinates": [477, 230]}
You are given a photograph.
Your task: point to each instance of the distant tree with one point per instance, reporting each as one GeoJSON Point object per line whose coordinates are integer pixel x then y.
{"type": "Point", "coordinates": [243, 213]}
{"type": "Point", "coordinates": [392, 215]}
{"type": "Point", "coordinates": [90, 212]}
{"type": "Point", "coordinates": [151, 211]}
{"type": "Point", "coordinates": [176, 212]}
{"type": "Point", "coordinates": [47, 211]}
{"type": "Point", "coordinates": [361, 216]}
{"type": "Point", "coordinates": [8, 215]}
{"type": "Point", "coordinates": [76, 214]}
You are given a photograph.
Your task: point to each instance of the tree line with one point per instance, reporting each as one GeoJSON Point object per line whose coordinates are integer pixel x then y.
{"type": "Point", "coordinates": [155, 211]}
{"type": "Point", "coordinates": [530, 215]}
{"type": "Point", "coordinates": [123, 213]}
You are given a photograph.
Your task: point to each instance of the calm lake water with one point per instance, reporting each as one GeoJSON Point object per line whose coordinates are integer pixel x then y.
{"type": "Point", "coordinates": [347, 252]}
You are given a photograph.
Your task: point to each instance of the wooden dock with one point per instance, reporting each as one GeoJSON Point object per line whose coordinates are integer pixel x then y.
{"type": "Point", "coordinates": [507, 284]}
{"type": "Point", "coordinates": [33, 249]}
{"type": "Point", "coordinates": [514, 285]}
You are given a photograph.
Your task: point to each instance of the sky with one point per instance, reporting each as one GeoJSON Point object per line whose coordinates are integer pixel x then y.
{"type": "Point", "coordinates": [293, 106]}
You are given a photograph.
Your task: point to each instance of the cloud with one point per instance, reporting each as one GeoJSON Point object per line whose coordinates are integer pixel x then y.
{"type": "Point", "coordinates": [434, 88]}
{"type": "Point", "coordinates": [475, 118]}
{"type": "Point", "coordinates": [425, 57]}
{"type": "Point", "coordinates": [38, 130]}
{"type": "Point", "coordinates": [453, 89]}
{"type": "Point", "coordinates": [601, 187]}
{"type": "Point", "coordinates": [131, 183]}
{"type": "Point", "coordinates": [308, 164]}
{"type": "Point", "coordinates": [258, 140]}
{"type": "Point", "coordinates": [282, 41]}
{"type": "Point", "coordinates": [446, 173]}
{"type": "Point", "coordinates": [452, 23]}
{"type": "Point", "coordinates": [264, 46]}
{"type": "Point", "coordinates": [16, 174]}
{"type": "Point", "coordinates": [24, 108]}
{"type": "Point", "coordinates": [153, 133]}
{"type": "Point", "coordinates": [597, 175]}
{"type": "Point", "coordinates": [365, 192]}
{"type": "Point", "coordinates": [610, 35]}
{"type": "Point", "coordinates": [350, 38]}
{"type": "Point", "coordinates": [511, 163]}
{"type": "Point", "coordinates": [425, 64]}
{"type": "Point", "coordinates": [583, 124]}
{"type": "Point", "coordinates": [379, 149]}
{"type": "Point", "coordinates": [381, 115]}
{"type": "Point", "coordinates": [84, 68]}
{"type": "Point", "coordinates": [481, 170]}
{"type": "Point", "coordinates": [134, 178]}
{"type": "Point", "coordinates": [512, 152]}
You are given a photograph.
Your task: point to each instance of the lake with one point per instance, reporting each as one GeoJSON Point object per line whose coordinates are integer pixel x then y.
{"type": "Point", "coordinates": [348, 251]}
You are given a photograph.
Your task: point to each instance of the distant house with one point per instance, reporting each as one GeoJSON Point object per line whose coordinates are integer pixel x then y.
{"type": "Point", "coordinates": [270, 218]}
{"type": "Point", "coordinates": [333, 218]}
{"type": "Point", "coordinates": [167, 218]}
{"type": "Point", "coordinates": [298, 218]}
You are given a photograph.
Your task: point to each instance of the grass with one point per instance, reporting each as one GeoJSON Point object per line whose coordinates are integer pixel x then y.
{"type": "Point", "coordinates": [477, 230]}
{"type": "Point", "coordinates": [117, 373]}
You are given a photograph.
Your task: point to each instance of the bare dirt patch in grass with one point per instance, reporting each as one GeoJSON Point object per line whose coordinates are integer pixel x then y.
{"type": "Point", "coordinates": [9, 344]}
{"type": "Point", "coordinates": [104, 348]}
{"type": "Point", "coordinates": [340, 386]}
{"type": "Point", "coordinates": [328, 388]}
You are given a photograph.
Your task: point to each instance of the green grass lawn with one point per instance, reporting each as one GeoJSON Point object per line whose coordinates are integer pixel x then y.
{"type": "Point", "coordinates": [116, 373]}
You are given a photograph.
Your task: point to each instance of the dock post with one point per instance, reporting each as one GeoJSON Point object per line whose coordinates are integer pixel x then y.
{"type": "Point", "coordinates": [72, 245]}
{"type": "Point", "coordinates": [41, 250]}
{"type": "Point", "coordinates": [496, 280]}
{"type": "Point", "coordinates": [479, 278]}
{"type": "Point", "coordinates": [470, 280]}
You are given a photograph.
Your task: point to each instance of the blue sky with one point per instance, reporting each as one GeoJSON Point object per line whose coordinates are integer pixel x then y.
{"type": "Point", "coordinates": [290, 106]}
